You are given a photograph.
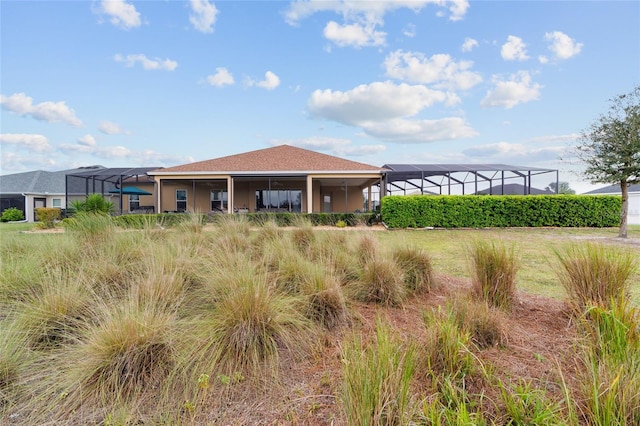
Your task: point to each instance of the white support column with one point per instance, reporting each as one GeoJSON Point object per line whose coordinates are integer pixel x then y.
{"type": "Point", "coordinates": [369, 198]}
{"type": "Point", "coordinates": [309, 194]}
{"type": "Point", "coordinates": [230, 195]}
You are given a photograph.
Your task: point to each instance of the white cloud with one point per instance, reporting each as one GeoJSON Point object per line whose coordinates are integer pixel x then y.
{"type": "Point", "coordinates": [122, 14]}
{"type": "Point", "coordinates": [30, 142]}
{"type": "Point", "coordinates": [142, 158]}
{"type": "Point", "coordinates": [376, 101]}
{"type": "Point", "coordinates": [270, 82]}
{"type": "Point", "coordinates": [419, 131]}
{"type": "Point", "coordinates": [556, 138]}
{"type": "Point", "coordinates": [362, 18]}
{"type": "Point", "coordinates": [51, 112]}
{"type": "Point", "coordinates": [87, 140]}
{"type": "Point", "coordinates": [222, 77]}
{"type": "Point", "coordinates": [439, 69]}
{"type": "Point", "coordinates": [514, 152]}
{"type": "Point", "coordinates": [509, 93]}
{"type": "Point", "coordinates": [336, 146]}
{"type": "Point", "coordinates": [368, 10]}
{"type": "Point", "coordinates": [203, 15]}
{"type": "Point", "coordinates": [410, 31]}
{"type": "Point", "coordinates": [543, 59]}
{"type": "Point", "coordinates": [147, 64]}
{"type": "Point", "coordinates": [562, 46]}
{"type": "Point", "coordinates": [15, 162]}
{"type": "Point", "coordinates": [514, 49]}
{"type": "Point", "coordinates": [110, 128]}
{"type": "Point", "coordinates": [384, 110]}
{"type": "Point", "coordinates": [469, 44]}
{"type": "Point", "coordinates": [354, 35]}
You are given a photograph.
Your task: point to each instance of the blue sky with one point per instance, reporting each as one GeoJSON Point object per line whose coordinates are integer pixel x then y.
{"type": "Point", "coordinates": [161, 83]}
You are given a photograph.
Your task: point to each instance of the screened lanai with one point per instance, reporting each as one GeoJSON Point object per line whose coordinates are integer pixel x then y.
{"type": "Point", "coordinates": [447, 179]}
{"type": "Point", "coordinates": [110, 182]}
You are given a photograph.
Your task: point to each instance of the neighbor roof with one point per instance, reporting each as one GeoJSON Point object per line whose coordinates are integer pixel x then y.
{"type": "Point", "coordinates": [38, 181]}
{"type": "Point", "coordinates": [282, 158]}
{"type": "Point", "coordinates": [613, 189]}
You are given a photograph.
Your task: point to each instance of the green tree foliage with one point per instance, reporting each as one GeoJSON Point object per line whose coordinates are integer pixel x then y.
{"type": "Point", "coordinates": [610, 148]}
{"type": "Point", "coordinates": [563, 188]}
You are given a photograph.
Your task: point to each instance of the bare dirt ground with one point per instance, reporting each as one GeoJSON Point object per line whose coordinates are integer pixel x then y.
{"type": "Point", "coordinates": [540, 338]}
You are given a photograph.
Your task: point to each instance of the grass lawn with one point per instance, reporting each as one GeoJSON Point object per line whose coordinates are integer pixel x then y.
{"type": "Point", "coordinates": [536, 247]}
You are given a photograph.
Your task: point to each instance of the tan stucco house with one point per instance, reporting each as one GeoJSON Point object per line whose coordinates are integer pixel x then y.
{"type": "Point", "coordinates": [281, 178]}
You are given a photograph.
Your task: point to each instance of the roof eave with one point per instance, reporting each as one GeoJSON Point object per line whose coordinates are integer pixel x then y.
{"type": "Point", "coordinates": [269, 173]}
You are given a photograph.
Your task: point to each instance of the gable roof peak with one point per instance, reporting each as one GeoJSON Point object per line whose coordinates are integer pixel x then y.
{"type": "Point", "coordinates": [279, 158]}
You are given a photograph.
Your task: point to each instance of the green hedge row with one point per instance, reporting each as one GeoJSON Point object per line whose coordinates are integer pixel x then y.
{"type": "Point", "coordinates": [473, 211]}
{"type": "Point", "coordinates": [139, 221]}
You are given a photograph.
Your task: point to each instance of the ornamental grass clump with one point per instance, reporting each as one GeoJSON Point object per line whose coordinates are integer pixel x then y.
{"type": "Point", "coordinates": [51, 317]}
{"type": "Point", "coordinates": [381, 281]}
{"type": "Point", "coordinates": [13, 357]}
{"type": "Point", "coordinates": [593, 274]}
{"type": "Point", "coordinates": [416, 265]}
{"type": "Point", "coordinates": [525, 404]}
{"type": "Point", "coordinates": [376, 378]}
{"type": "Point", "coordinates": [326, 304]}
{"type": "Point", "coordinates": [485, 325]}
{"type": "Point", "coordinates": [610, 357]}
{"type": "Point", "coordinates": [127, 352]}
{"type": "Point", "coordinates": [248, 327]}
{"type": "Point", "coordinates": [493, 268]}
{"type": "Point", "coordinates": [446, 353]}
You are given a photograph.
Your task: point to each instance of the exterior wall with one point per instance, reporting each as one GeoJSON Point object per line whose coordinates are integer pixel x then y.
{"type": "Point", "coordinates": [634, 208]}
{"type": "Point", "coordinates": [244, 192]}
{"type": "Point", "coordinates": [349, 203]}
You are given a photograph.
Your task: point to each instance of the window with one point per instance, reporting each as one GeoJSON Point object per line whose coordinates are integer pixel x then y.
{"type": "Point", "coordinates": [56, 202]}
{"type": "Point", "coordinates": [289, 200]}
{"type": "Point", "coordinates": [219, 201]}
{"type": "Point", "coordinates": [134, 202]}
{"type": "Point", "coordinates": [181, 200]}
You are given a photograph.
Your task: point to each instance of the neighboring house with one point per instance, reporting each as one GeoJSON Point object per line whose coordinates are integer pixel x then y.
{"type": "Point", "coordinates": [30, 190]}
{"type": "Point", "coordinates": [281, 178]}
{"type": "Point", "coordinates": [633, 216]}
{"type": "Point", "coordinates": [514, 189]}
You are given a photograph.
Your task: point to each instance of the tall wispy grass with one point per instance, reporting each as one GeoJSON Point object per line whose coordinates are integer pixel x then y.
{"type": "Point", "coordinates": [610, 379]}
{"type": "Point", "coordinates": [14, 357]}
{"type": "Point", "coordinates": [447, 349]}
{"type": "Point", "coordinates": [249, 327]}
{"type": "Point", "coordinates": [381, 281]}
{"type": "Point", "coordinates": [493, 268]}
{"type": "Point", "coordinates": [416, 265]}
{"type": "Point", "coordinates": [525, 404]}
{"type": "Point", "coordinates": [90, 228]}
{"type": "Point", "coordinates": [53, 315]}
{"type": "Point", "coordinates": [486, 325]}
{"type": "Point", "coordinates": [593, 274]}
{"type": "Point", "coordinates": [376, 379]}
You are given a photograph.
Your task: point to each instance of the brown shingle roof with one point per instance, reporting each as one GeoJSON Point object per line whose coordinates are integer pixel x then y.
{"type": "Point", "coordinates": [282, 158]}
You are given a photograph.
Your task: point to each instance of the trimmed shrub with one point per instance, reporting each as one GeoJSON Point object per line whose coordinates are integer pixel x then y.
{"type": "Point", "coordinates": [48, 216]}
{"type": "Point", "coordinates": [12, 214]}
{"type": "Point", "coordinates": [474, 211]}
